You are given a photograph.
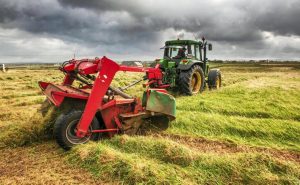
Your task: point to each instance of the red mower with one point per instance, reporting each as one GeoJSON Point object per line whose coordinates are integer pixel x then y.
{"type": "Point", "coordinates": [96, 109]}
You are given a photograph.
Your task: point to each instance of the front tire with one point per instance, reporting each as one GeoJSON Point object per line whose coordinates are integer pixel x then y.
{"type": "Point", "coordinates": [192, 81]}
{"type": "Point", "coordinates": [65, 130]}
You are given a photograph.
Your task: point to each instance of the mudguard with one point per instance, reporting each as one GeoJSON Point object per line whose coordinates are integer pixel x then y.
{"type": "Point", "coordinates": [184, 67]}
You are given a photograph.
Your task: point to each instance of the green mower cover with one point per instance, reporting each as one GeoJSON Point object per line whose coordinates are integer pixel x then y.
{"type": "Point", "coordinates": [161, 103]}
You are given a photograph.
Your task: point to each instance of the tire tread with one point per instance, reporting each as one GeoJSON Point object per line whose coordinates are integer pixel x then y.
{"type": "Point", "coordinates": [185, 78]}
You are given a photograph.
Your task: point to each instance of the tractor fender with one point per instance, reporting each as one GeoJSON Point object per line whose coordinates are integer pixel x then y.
{"type": "Point", "coordinates": [184, 67]}
{"type": "Point", "coordinates": [213, 72]}
{"type": "Point", "coordinates": [212, 75]}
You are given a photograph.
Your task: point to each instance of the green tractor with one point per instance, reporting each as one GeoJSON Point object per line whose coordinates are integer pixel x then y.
{"type": "Point", "coordinates": [186, 67]}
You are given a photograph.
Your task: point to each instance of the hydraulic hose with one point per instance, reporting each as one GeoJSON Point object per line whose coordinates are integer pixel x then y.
{"type": "Point", "coordinates": [119, 92]}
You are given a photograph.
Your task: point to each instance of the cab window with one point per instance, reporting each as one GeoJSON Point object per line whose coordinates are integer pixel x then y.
{"type": "Point", "coordinates": [192, 50]}
{"type": "Point", "coordinates": [197, 52]}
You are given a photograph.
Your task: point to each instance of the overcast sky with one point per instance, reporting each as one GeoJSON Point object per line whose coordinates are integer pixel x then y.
{"type": "Point", "coordinates": [53, 30]}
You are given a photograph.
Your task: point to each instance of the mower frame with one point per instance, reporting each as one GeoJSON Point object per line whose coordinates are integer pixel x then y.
{"type": "Point", "coordinates": [111, 109]}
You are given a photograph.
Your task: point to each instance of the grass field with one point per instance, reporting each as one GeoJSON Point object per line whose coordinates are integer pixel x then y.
{"type": "Point", "coordinates": [248, 132]}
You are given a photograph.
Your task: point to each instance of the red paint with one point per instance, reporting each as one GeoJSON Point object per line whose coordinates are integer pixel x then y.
{"type": "Point", "coordinates": [95, 95]}
{"type": "Point", "coordinates": [101, 85]}
{"type": "Point", "coordinates": [105, 130]}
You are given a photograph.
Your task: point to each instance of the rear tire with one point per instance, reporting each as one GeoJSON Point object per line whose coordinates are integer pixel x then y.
{"type": "Point", "coordinates": [65, 130]}
{"type": "Point", "coordinates": [192, 81]}
{"type": "Point", "coordinates": [214, 79]}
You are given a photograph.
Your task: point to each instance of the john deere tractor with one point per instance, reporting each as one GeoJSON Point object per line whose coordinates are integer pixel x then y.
{"type": "Point", "coordinates": [186, 67]}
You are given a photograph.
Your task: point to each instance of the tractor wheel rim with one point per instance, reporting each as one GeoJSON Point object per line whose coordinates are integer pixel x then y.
{"type": "Point", "coordinates": [196, 82]}
{"type": "Point", "coordinates": [71, 134]}
{"type": "Point", "coordinates": [193, 81]}
{"type": "Point", "coordinates": [218, 82]}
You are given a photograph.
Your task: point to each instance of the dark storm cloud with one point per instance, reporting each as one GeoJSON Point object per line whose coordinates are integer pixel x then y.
{"type": "Point", "coordinates": [284, 22]}
{"type": "Point", "coordinates": [230, 21]}
{"type": "Point", "coordinates": [212, 20]}
{"type": "Point", "coordinates": [106, 5]}
{"type": "Point", "coordinates": [279, 17]}
{"type": "Point", "coordinates": [41, 17]}
{"type": "Point", "coordinates": [223, 20]}
{"type": "Point", "coordinates": [134, 24]}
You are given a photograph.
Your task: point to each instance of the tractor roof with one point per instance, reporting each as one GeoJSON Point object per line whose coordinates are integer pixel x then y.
{"type": "Point", "coordinates": [182, 42]}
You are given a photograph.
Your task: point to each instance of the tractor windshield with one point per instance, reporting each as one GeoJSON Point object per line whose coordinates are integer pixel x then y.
{"type": "Point", "coordinates": [175, 52]}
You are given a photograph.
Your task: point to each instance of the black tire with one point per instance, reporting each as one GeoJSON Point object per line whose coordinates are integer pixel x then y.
{"type": "Point", "coordinates": [214, 79]}
{"type": "Point", "coordinates": [186, 84]}
{"type": "Point", "coordinates": [64, 129]}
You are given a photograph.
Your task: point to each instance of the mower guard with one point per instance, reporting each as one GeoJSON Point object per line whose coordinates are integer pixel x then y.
{"type": "Point", "coordinates": [56, 93]}
{"type": "Point", "coordinates": [160, 101]}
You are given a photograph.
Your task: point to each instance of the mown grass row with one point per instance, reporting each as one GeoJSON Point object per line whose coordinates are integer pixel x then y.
{"type": "Point", "coordinates": [21, 118]}
{"type": "Point", "coordinates": [239, 101]}
{"type": "Point", "coordinates": [149, 160]}
{"type": "Point", "coordinates": [268, 132]}
{"type": "Point", "coordinates": [33, 129]}
{"type": "Point", "coordinates": [264, 117]}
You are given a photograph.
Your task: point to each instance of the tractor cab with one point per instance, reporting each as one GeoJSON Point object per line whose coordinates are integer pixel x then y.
{"type": "Point", "coordinates": [186, 49]}
{"type": "Point", "coordinates": [182, 54]}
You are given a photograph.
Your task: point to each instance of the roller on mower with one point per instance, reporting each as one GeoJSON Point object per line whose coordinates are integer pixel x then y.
{"type": "Point", "coordinates": [96, 109]}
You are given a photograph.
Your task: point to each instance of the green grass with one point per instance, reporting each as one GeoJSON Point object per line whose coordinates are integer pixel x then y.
{"type": "Point", "coordinates": [132, 160]}
{"type": "Point", "coordinates": [266, 132]}
{"type": "Point", "coordinates": [35, 129]}
{"type": "Point", "coordinates": [248, 132]}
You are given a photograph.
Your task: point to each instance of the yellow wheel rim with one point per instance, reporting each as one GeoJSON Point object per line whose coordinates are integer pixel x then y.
{"type": "Point", "coordinates": [196, 82]}
{"type": "Point", "coordinates": [218, 82]}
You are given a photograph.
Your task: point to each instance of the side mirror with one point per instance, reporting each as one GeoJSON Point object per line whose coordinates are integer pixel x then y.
{"type": "Point", "coordinates": [189, 56]}
{"type": "Point", "coordinates": [209, 47]}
